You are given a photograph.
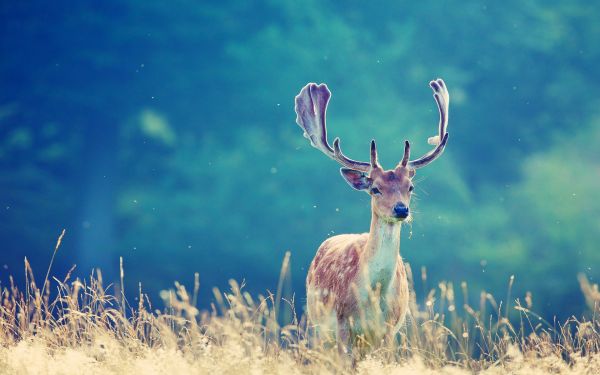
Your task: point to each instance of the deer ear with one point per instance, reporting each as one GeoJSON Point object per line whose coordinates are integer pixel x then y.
{"type": "Point", "coordinates": [357, 179]}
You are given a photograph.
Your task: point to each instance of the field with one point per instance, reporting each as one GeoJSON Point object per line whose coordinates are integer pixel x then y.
{"type": "Point", "coordinates": [88, 328]}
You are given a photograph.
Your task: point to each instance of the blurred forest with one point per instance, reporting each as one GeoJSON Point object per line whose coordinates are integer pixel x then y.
{"type": "Point", "coordinates": [164, 132]}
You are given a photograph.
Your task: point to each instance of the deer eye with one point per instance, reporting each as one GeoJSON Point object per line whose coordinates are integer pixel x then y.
{"type": "Point", "coordinates": [411, 188]}
{"type": "Point", "coordinates": [375, 191]}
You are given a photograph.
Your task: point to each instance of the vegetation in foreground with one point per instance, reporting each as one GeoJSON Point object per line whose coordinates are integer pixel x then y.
{"type": "Point", "coordinates": [92, 328]}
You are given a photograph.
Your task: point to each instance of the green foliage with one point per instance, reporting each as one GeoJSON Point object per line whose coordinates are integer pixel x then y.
{"type": "Point", "coordinates": [175, 124]}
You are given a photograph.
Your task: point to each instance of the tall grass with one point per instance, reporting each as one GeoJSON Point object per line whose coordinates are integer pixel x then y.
{"type": "Point", "coordinates": [87, 327]}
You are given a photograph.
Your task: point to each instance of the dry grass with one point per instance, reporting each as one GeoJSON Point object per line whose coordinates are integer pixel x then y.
{"type": "Point", "coordinates": [86, 329]}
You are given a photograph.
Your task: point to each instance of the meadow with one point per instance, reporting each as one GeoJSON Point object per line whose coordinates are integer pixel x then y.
{"type": "Point", "coordinates": [66, 325]}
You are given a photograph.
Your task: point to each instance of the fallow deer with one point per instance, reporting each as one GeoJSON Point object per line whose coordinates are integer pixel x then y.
{"type": "Point", "coordinates": [357, 282]}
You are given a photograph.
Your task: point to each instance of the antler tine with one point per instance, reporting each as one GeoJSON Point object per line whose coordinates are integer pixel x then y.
{"type": "Point", "coordinates": [311, 108]}
{"type": "Point", "coordinates": [442, 98]}
{"type": "Point", "coordinates": [374, 158]}
{"type": "Point", "coordinates": [346, 161]}
{"type": "Point", "coordinates": [404, 161]}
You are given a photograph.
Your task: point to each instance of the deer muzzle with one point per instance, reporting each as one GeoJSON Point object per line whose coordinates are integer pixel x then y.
{"type": "Point", "coordinates": [400, 211]}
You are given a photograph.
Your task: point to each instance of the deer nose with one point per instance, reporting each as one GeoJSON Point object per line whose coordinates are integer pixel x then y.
{"type": "Point", "coordinates": [400, 211]}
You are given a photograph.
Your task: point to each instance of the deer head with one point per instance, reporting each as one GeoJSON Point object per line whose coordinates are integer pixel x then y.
{"type": "Point", "coordinates": [390, 189]}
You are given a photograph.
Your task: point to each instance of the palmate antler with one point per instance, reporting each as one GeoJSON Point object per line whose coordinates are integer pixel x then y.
{"type": "Point", "coordinates": [442, 98]}
{"type": "Point", "coordinates": [311, 108]}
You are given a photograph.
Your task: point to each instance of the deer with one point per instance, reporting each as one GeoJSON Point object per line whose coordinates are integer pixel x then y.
{"type": "Point", "coordinates": [357, 284]}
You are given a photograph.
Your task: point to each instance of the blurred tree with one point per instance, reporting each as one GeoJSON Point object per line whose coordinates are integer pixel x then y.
{"type": "Point", "coordinates": [164, 132]}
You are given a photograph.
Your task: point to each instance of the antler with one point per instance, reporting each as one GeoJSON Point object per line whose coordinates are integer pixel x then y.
{"type": "Point", "coordinates": [442, 98]}
{"type": "Point", "coordinates": [311, 107]}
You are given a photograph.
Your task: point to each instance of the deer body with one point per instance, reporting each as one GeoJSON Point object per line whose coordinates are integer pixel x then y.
{"type": "Point", "coordinates": [346, 271]}
{"type": "Point", "coordinates": [357, 283]}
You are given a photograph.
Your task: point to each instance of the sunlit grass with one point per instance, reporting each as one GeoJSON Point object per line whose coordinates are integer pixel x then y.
{"type": "Point", "coordinates": [90, 328]}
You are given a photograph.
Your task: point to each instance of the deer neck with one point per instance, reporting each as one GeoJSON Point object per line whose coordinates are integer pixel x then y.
{"type": "Point", "coordinates": [382, 250]}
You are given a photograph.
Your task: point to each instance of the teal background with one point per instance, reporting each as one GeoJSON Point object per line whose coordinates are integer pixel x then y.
{"type": "Point", "coordinates": [164, 132]}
